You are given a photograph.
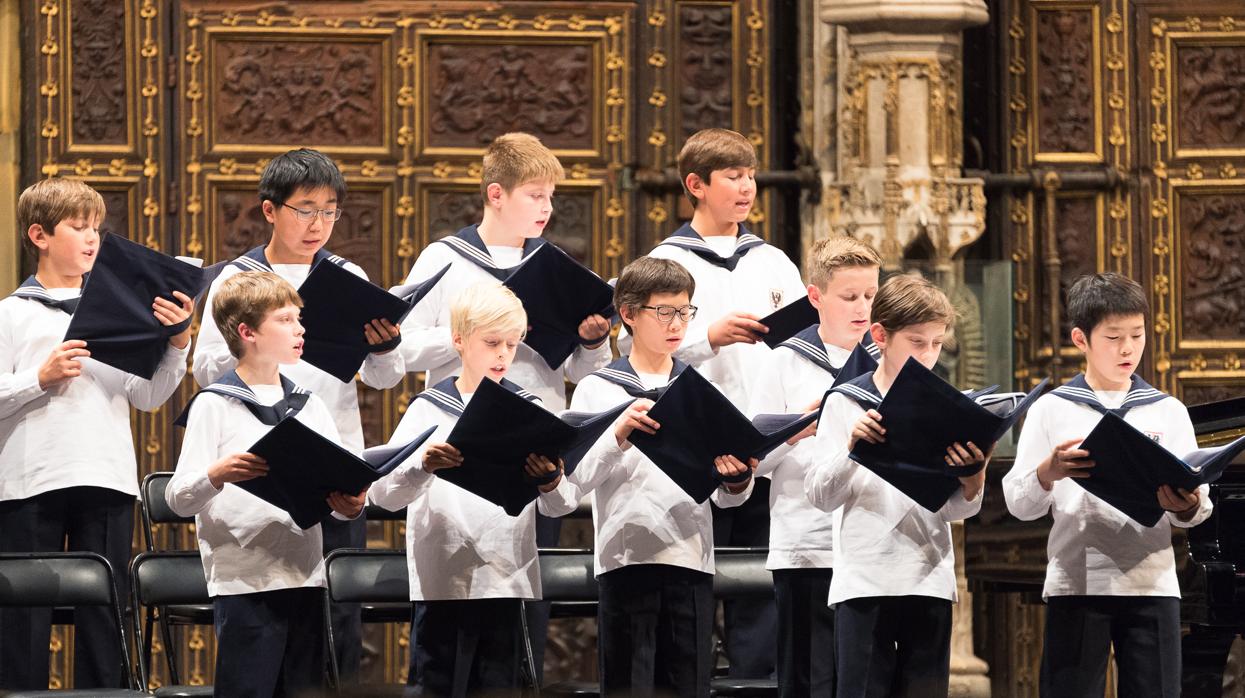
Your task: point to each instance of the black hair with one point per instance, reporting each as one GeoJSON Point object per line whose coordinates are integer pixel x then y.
{"type": "Point", "coordinates": [300, 169]}
{"type": "Point", "coordinates": [1095, 297]}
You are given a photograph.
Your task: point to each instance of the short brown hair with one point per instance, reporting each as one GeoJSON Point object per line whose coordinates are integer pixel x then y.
{"type": "Point", "coordinates": [248, 297]}
{"type": "Point", "coordinates": [51, 201]}
{"type": "Point", "coordinates": [648, 275]}
{"type": "Point", "coordinates": [516, 158]}
{"type": "Point", "coordinates": [910, 299]}
{"type": "Point", "coordinates": [841, 252]}
{"type": "Point", "coordinates": [713, 149]}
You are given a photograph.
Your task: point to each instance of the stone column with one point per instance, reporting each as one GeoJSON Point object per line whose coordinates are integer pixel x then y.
{"type": "Point", "coordinates": [896, 178]}
{"type": "Point", "coordinates": [10, 143]}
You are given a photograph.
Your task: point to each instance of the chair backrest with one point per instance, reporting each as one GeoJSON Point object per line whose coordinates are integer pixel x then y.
{"type": "Point", "coordinates": [367, 576]}
{"type": "Point", "coordinates": [55, 579]}
{"type": "Point", "coordinates": [741, 574]}
{"type": "Point", "coordinates": [64, 579]}
{"type": "Point", "coordinates": [566, 574]}
{"type": "Point", "coordinates": [161, 579]}
{"type": "Point", "coordinates": [155, 509]}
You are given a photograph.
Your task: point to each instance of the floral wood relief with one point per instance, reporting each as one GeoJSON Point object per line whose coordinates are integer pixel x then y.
{"type": "Point", "coordinates": [1212, 229]}
{"type": "Point", "coordinates": [1211, 94]}
{"type": "Point", "coordinates": [98, 65]}
{"type": "Point", "coordinates": [1065, 81]}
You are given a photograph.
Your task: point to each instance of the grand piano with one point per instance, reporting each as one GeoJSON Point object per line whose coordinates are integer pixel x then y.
{"type": "Point", "coordinates": [1006, 556]}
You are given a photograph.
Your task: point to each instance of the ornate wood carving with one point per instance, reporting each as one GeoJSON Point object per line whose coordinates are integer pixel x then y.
{"type": "Point", "coordinates": [476, 91]}
{"type": "Point", "coordinates": [241, 223]}
{"type": "Point", "coordinates": [321, 92]}
{"type": "Point", "coordinates": [1197, 394]}
{"type": "Point", "coordinates": [98, 63]}
{"type": "Point", "coordinates": [117, 211]}
{"type": "Point", "coordinates": [1211, 94]}
{"type": "Point", "coordinates": [706, 66]}
{"type": "Point", "coordinates": [1077, 219]}
{"type": "Point", "coordinates": [1064, 81]}
{"type": "Point", "coordinates": [1213, 265]}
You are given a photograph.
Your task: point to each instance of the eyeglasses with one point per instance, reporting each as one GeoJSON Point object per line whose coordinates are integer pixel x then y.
{"type": "Point", "coordinates": [307, 214]}
{"type": "Point", "coordinates": [665, 313]}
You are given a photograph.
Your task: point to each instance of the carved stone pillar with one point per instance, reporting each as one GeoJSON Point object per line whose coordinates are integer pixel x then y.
{"type": "Point", "coordinates": [899, 133]}
{"type": "Point", "coordinates": [10, 146]}
{"type": "Point", "coordinates": [898, 159]}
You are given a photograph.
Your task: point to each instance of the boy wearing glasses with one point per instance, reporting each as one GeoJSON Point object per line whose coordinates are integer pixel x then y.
{"type": "Point", "coordinates": [741, 279]}
{"type": "Point", "coordinates": [654, 544]}
{"type": "Point", "coordinates": [300, 194]}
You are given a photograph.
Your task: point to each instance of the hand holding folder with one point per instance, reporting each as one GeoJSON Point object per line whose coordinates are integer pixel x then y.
{"type": "Point", "coordinates": [1130, 467]}
{"type": "Point", "coordinates": [788, 321]}
{"type": "Point", "coordinates": [923, 415]}
{"type": "Point", "coordinates": [557, 293]}
{"type": "Point", "coordinates": [698, 424]}
{"type": "Point", "coordinates": [114, 313]}
{"type": "Point", "coordinates": [304, 468]}
{"type": "Point", "coordinates": [336, 306]}
{"type": "Point", "coordinates": [499, 429]}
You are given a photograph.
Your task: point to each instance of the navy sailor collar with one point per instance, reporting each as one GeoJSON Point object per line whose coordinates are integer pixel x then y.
{"type": "Point", "coordinates": [445, 395]}
{"type": "Point", "coordinates": [808, 344]}
{"type": "Point", "coordinates": [31, 289]}
{"type": "Point", "coordinates": [687, 238]}
{"type": "Point", "coordinates": [862, 390]}
{"type": "Point", "coordinates": [468, 243]}
{"type": "Point", "coordinates": [1139, 393]}
{"type": "Point", "coordinates": [256, 260]}
{"type": "Point", "coordinates": [230, 385]}
{"type": "Point", "coordinates": [621, 373]}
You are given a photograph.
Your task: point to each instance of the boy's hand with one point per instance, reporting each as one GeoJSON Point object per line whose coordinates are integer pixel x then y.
{"type": "Point", "coordinates": [1182, 503]}
{"type": "Point", "coordinates": [540, 467]}
{"type": "Point", "coordinates": [1065, 461]}
{"type": "Point", "coordinates": [348, 505]}
{"type": "Point", "coordinates": [811, 429]}
{"type": "Point", "coordinates": [63, 363]}
{"type": "Point", "coordinates": [380, 331]}
{"type": "Point", "coordinates": [729, 467]}
{"type": "Point", "coordinates": [868, 428]}
{"type": "Point", "coordinates": [170, 314]}
{"type": "Point", "coordinates": [236, 468]}
{"type": "Point", "coordinates": [635, 417]}
{"type": "Point", "coordinates": [440, 456]}
{"type": "Point", "coordinates": [959, 456]}
{"type": "Point", "coordinates": [734, 328]}
{"type": "Point", "coordinates": [596, 329]}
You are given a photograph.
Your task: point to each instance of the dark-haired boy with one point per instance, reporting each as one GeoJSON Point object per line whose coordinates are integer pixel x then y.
{"type": "Point", "coordinates": [654, 544]}
{"type": "Point", "coordinates": [739, 280]}
{"type": "Point", "coordinates": [1110, 581]}
{"type": "Point", "coordinates": [68, 476]}
{"type": "Point", "coordinates": [301, 192]}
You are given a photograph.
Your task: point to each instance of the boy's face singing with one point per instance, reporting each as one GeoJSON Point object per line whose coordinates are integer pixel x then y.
{"type": "Point", "coordinates": [922, 342]}
{"type": "Point", "coordinates": [294, 236]}
{"type": "Point", "coordinates": [71, 248]}
{"type": "Point", "coordinates": [278, 338]}
{"type": "Point", "coordinates": [1113, 348]}
{"type": "Point", "coordinates": [728, 195]}
{"type": "Point", "coordinates": [526, 210]}
{"type": "Point", "coordinates": [843, 305]}
{"type": "Point", "coordinates": [488, 352]}
{"type": "Point", "coordinates": [653, 333]}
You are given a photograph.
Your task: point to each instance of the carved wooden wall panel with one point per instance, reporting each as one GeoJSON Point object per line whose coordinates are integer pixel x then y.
{"type": "Point", "coordinates": [1194, 161]}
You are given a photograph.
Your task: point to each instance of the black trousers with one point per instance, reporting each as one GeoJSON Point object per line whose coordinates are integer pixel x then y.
{"type": "Point", "coordinates": [892, 646]}
{"type": "Point", "coordinates": [655, 624]}
{"type": "Point", "coordinates": [346, 619]}
{"type": "Point", "coordinates": [1080, 631]}
{"type": "Point", "coordinates": [270, 643]}
{"type": "Point", "coordinates": [805, 633]}
{"type": "Point", "coordinates": [465, 648]}
{"type": "Point", "coordinates": [751, 626]}
{"type": "Point", "coordinates": [92, 519]}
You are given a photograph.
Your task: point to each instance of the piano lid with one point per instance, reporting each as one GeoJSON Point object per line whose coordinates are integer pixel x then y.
{"type": "Point", "coordinates": [1218, 422]}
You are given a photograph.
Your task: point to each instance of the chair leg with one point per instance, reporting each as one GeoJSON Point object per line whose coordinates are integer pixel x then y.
{"type": "Point", "coordinates": [330, 646]}
{"type": "Point", "coordinates": [529, 661]}
{"type": "Point", "coordinates": [166, 636]}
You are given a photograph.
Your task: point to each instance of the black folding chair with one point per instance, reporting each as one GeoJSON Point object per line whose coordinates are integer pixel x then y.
{"type": "Point", "coordinates": [375, 579]}
{"type": "Point", "coordinates": [161, 581]}
{"type": "Point", "coordinates": [569, 584]}
{"type": "Point", "coordinates": [32, 580]}
{"type": "Point", "coordinates": [156, 510]}
{"type": "Point", "coordinates": [741, 575]}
